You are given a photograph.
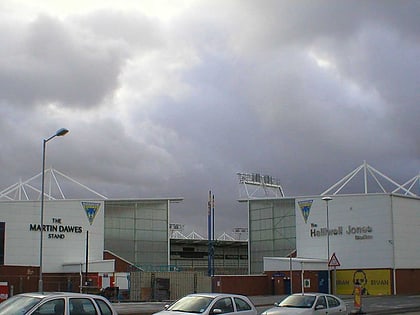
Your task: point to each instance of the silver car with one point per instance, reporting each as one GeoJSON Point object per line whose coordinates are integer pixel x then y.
{"type": "Point", "coordinates": [56, 303]}
{"type": "Point", "coordinates": [211, 303]}
{"type": "Point", "coordinates": [309, 304]}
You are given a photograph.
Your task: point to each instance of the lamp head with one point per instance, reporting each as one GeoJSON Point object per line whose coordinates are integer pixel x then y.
{"type": "Point", "coordinates": [327, 198]}
{"type": "Point", "coordinates": [61, 132]}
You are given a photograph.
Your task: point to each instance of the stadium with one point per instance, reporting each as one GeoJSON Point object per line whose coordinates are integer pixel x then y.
{"type": "Point", "coordinates": [315, 243]}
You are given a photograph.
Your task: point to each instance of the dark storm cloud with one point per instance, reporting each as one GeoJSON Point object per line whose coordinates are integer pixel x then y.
{"type": "Point", "coordinates": [261, 101]}
{"type": "Point", "coordinates": [51, 62]}
{"type": "Point", "coordinates": [304, 91]}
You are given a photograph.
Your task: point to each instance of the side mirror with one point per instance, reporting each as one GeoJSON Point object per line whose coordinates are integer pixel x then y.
{"type": "Point", "coordinates": [217, 311]}
{"type": "Point", "coordinates": [277, 304]}
{"type": "Point", "coordinates": [320, 307]}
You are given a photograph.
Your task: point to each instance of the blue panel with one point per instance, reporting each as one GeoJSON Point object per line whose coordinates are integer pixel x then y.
{"type": "Point", "coordinates": [323, 281]}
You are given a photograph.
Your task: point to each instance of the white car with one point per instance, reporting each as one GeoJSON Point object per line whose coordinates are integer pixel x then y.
{"type": "Point", "coordinates": [56, 303]}
{"type": "Point", "coordinates": [309, 304]}
{"type": "Point", "coordinates": [211, 303]}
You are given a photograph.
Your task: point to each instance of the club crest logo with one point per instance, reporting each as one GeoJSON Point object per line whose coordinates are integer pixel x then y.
{"type": "Point", "coordinates": [305, 208]}
{"type": "Point", "coordinates": [91, 210]}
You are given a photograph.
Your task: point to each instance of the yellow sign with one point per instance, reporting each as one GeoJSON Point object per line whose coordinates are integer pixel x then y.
{"type": "Point", "coordinates": [372, 282]}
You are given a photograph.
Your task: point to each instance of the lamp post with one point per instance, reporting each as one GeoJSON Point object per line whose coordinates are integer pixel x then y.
{"type": "Point", "coordinates": [328, 199]}
{"type": "Point", "coordinates": [58, 133]}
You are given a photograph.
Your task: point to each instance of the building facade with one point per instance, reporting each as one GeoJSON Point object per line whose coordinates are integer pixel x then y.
{"type": "Point", "coordinates": [369, 238]}
{"type": "Point", "coordinates": [137, 230]}
{"type": "Point", "coordinates": [97, 243]}
{"type": "Point", "coordinates": [68, 226]}
{"type": "Point", "coordinates": [272, 230]}
{"type": "Point", "coordinates": [230, 257]}
{"type": "Point", "coordinates": [76, 235]}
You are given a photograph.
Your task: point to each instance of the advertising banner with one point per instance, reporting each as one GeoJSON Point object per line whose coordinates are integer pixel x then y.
{"type": "Point", "coordinates": [371, 281]}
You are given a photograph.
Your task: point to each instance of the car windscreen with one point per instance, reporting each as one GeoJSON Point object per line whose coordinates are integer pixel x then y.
{"type": "Point", "coordinates": [191, 304]}
{"type": "Point", "coordinates": [18, 305]}
{"type": "Point", "coordinates": [299, 301]}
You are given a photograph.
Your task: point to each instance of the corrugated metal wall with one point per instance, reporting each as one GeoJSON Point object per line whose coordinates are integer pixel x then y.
{"type": "Point", "coordinates": [148, 286]}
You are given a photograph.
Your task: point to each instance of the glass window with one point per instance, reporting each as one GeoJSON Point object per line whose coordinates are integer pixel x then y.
{"type": "Point", "coordinates": [300, 301]}
{"type": "Point", "coordinates": [138, 230]}
{"type": "Point", "coordinates": [332, 301]}
{"type": "Point", "coordinates": [59, 307]}
{"type": "Point", "coordinates": [105, 310]}
{"type": "Point", "coordinates": [17, 304]}
{"type": "Point", "coordinates": [224, 304]}
{"type": "Point", "coordinates": [191, 304]}
{"type": "Point", "coordinates": [321, 302]}
{"type": "Point", "coordinates": [53, 307]}
{"type": "Point", "coordinates": [272, 230]}
{"type": "Point", "coordinates": [241, 305]}
{"type": "Point", "coordinates": [82, 307]}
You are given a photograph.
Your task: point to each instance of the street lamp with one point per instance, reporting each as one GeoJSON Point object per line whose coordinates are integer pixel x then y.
{"type": "Point", "coordinates": [327, 199]}
{"type": "Point", "coordinates": [58, 133]}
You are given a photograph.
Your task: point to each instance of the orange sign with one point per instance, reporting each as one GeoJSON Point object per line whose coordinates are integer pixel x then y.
{"type": "Point", "coordinates": [358, 297]}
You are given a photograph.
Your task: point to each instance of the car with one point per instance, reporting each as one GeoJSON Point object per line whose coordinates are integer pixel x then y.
{"type": "Point", "coordinates": [210, 304]}
{"type": "Point", "coordinates": [309, 304]}
{"type": "Point", "coordinates": [56, 303]}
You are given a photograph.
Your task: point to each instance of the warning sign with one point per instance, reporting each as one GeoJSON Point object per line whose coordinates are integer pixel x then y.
{"type": "Point", "coordinates": [333, 261]}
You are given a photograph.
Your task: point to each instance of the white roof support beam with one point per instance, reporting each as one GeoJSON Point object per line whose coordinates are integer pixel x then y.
{"type": "Point", "coordinates": [19, 191]}
{"type": "Point", "coordinates": [374, 173]}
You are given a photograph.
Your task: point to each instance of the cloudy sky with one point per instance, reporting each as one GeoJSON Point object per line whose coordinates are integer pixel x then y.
{"type": "Point", "coordinates": [173, 98]}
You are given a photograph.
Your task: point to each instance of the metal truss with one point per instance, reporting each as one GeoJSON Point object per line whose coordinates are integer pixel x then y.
{"type": "Point", "coordinates": [411, 184]}
{"type": "Point", "coordinates": [258, 186]}
{"type": "Point", "coordinates": [375, 175]}
{"type": "Point", "coordinates": [27, 190]}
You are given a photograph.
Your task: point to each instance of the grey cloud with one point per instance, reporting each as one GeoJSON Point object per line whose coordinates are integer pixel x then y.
{"type": "Point", "coordinates": [288, 22]}
{"type": "Point", "coordinates": [257, 99]}
{"type": "Point", "coordinates": [131, 29]}
{"type": "Point", "coordinates": [55, 63]}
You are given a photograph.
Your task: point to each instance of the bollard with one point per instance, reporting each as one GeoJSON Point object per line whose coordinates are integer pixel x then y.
{"type": "Point", "coordinates": [357, 299]}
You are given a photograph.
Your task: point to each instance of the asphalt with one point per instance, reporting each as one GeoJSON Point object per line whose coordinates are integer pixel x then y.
{"type": "Point", "coordinates": [370, 305]}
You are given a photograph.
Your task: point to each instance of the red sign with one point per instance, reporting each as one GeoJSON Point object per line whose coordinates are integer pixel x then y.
{"type": "Point", "coordinates": [4, 291]}
{"type": "Point", "coordinates": [334, 261]}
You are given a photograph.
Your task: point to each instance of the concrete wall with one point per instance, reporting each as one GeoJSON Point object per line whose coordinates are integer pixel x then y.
{"type": "Point", "coordinates": [66, 224]}
{"type": "Point", "coordinates": [406, 218]}
{"type": "Point", "coordinates": [360, 226]}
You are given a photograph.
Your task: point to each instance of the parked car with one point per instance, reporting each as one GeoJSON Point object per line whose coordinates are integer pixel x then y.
{"type": "Point", "coordinates": [309, 304]}
{"type": "Point", "coordinates": [56, 303]}
{"type": "Point", "coordinates": [211, 303]}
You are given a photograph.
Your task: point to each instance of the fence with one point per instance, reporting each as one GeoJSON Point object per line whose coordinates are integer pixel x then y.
{"type": "Point", "coordinates": [160, 286]}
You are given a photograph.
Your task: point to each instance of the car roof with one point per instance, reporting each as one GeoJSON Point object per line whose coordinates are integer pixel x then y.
{"type": "Point", "coordinates": [214, 295]}
{"type": "Point", "coordinates": [313, 294]}
{"type": "Point", "coordinates": [57, 294]}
